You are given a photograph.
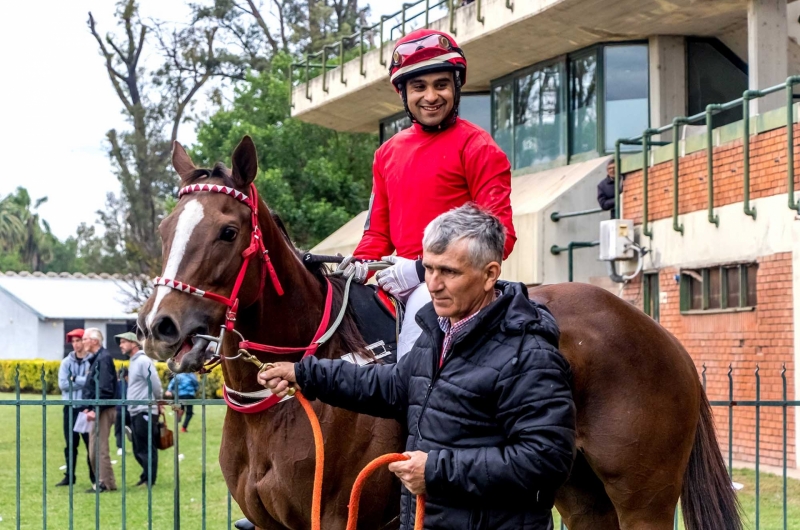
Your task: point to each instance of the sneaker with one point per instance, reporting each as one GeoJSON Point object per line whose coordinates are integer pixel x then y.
{"type": "Point", "coordinates": [183, 429]}
{"type": "Point", "coordinates": [65, 482]}
{"type": "Point", "coordinates": [102, 487]}
{"type": "Point", "coordinates": [119, 451]}
{"type": "Point", "coordinates": [143, 482]}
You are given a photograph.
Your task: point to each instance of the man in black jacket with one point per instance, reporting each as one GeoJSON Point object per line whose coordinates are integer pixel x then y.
{"type": "Point", "coordinates": [102, 368]}
{"type": "Point", "coordinates": [484, 392]}
{"type": "Point", "coordinates": [606, 195]}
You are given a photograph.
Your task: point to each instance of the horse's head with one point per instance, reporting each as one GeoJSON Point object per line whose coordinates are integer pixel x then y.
{"type": "Point", "coordinates": [203, 243]}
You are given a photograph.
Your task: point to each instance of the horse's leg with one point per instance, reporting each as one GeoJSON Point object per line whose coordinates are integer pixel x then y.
{"type": "Point", "coordinates": [582, 500]}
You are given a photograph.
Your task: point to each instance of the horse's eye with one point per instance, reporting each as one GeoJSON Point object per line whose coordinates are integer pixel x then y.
{"type": "Point", "coordinates": [228, 234]}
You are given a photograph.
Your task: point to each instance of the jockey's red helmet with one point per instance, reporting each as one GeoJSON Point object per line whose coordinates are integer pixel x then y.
{"type": "Point", "coordinates": [423, 51]}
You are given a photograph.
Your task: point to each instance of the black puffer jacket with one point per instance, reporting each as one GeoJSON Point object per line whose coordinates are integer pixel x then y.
{"type": "Point", "coordinates": [497, 420]}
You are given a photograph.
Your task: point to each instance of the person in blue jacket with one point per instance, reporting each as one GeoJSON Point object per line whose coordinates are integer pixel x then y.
{"type": "Point", "coordinates": [187, 385]}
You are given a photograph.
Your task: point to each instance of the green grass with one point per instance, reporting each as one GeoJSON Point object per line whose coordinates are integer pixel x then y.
{"type": "Point", "coordinates": [190, 471]}
{"type": "Point", "coordinates": [190, 476]}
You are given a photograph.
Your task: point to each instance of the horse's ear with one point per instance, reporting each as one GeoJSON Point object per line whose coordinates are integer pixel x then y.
{"type": "Point", "coordinates": [181, 161]}
{"type": "Point", "coordinates": [245, 163]}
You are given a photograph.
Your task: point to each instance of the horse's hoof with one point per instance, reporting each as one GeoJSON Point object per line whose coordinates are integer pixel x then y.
{"type": "Point", "coordinates": [244, 524]}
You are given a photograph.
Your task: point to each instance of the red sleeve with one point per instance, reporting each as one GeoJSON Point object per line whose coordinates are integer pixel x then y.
{"type": "Point", "coordinates": [376, 241]}
{"type": "Point", "coordinates": [488, 175]}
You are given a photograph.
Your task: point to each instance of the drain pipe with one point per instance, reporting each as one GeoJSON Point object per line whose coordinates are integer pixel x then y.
{"type": "Point", "coordinates": [624, 278]}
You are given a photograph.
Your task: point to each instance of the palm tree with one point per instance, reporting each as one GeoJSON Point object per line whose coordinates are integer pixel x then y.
{"type": "Point", "coordinates": [12, 228]}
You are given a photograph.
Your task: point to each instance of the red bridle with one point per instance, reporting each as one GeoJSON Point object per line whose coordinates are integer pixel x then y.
{"type": "Point", "coordinates": [255, 248]}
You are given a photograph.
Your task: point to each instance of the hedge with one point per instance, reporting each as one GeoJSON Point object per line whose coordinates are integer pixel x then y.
{"type": "Point", "coordinates": [30, 376]}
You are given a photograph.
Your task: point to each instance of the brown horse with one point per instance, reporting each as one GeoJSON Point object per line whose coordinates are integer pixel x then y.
{"type": "Point", "coordinates": [645, 431]}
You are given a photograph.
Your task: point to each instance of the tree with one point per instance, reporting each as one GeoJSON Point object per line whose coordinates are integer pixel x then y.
{"type": "Point", "coordinates": [315, 178]}
{"type": "Point", "coordinates": [155, 105]}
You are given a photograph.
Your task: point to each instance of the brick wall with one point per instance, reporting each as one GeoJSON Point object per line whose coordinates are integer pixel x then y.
{"type": "Point", "coordinates": [767, 177]}
{"type": "Point", "coordinates": [764, 337]}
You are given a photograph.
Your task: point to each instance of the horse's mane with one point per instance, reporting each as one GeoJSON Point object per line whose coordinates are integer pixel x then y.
{"type": "Point", "coordinates": [348, 332]}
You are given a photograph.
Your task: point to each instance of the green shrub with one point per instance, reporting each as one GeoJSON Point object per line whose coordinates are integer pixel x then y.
{"type": "Point", "coordinates": [30, 376]}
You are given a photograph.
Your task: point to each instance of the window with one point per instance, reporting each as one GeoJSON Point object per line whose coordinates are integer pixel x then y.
{"type": "Point", "coordinates": [69, 325]}
{"type": "Point", "coordinates": [538, 117]}
{"type": "Point", "coordinates": [714, 75]}
{"type": "Point", "coordinates": [581, 103]}
{"type": "Point", "coordinates": [651, 295]}
{"type": "Point", "coordinates": [626, 92]}
{"type": "Point", "coordinates": [474, 107]}
{"type": "Point", "coordinates": [726, 287]}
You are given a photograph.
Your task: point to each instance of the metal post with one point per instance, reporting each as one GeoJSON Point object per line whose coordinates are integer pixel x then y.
{"type": "Point", "coordinates": [70, 463]}
{"type": "Point", "coordinates": [712, 218]}
{"type": "Point", "coordinates": [325, 68]}
{"type": "Point", "coordinates": [44, 448]}
{"type": "Point", "coordinates": [746, 150]}
{"type": "Point", "coordinates": [730, 420]}
{"type": "Point", "coordinates": [16, 390]}
{"type": "Point", "coordinates": [617, 172]}
{"type": "Point", "coordinates": [790, 82]}
{"type": "Point", "coordinates": [783, 380]}
{"type": "Point", "coordinates": [361, 53]}
{"type": "Point", "coordinates": [176, 496]}
{"type": "Point", "coordinates": [510, 5]}
{"type": "Point", "coordinates": [341, 62]}
{"type": "Point", "coordinates": [427, 12]}
{"type": "Point", "coordinates": [97, 464]}
{"type": "Point", "coordinates": [308, 62]}
{"type": "Point", "coordinates": [478, 11]}
{"type": "Point", "coordinates": [676, 127]}
{"type": "Point", "coordinates": [150, 459]}
{"type": "Point", "coordinates": [203, 451]}
{"type": "Point", "coordinates": [645, 181]}
{"type": "Point", "coordinates": [380, 57]}
{"type": "Point", "coordinates": [403, 19]}
{"type": "Point", "coordinates": [556, 250]}
{"type": "Point", "coordinates": [758, 456]}
{"type": "Point", "coordinates": [123, 411]}
{"type": "Point", "coordinates": [453, 17]}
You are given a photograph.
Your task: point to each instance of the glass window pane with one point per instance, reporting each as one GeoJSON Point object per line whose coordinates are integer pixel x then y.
{"type": "Point", "coordinates": [475, 108]}
{"type": "Point", "coordinates": [538, 117]}
{"type": "Point", "coordinates": [714, 288]}
{"type": "Point", "coordinates": [696, 290]}
{"type": "Point", "coordinates": [393, 126]}
{"type": "Point", "coordinates": [716, 75]}
{"type": "Point", "coordinates": [502, 125]}
{"type": "Point", "coordinates": [626, 92]}
{"type": "Point", "coordinates": [583, 103]}
{"type": "Point", "coordinates": [752, 271]}
{"type": "Point", "coordinates": [732, 275]}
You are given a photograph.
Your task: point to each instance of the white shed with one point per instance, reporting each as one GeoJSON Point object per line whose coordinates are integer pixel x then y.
{"type": "Point", "coordinates": [37, 310]}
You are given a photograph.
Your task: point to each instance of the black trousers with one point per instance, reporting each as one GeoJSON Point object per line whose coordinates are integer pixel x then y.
{"type": "Point", "coordinates": [142, 426]}
{"type": "Point", "coordinates": [76, 441]}
{"type": "Point", "coordinates": [188, 411]}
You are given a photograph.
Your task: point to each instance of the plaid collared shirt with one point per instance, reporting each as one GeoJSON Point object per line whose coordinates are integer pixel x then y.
{"type": "Point", "coordinates": [452, 331]}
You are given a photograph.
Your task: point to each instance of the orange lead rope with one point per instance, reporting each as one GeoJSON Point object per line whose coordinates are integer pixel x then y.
{"type": "Point", "coordinates": [355, 495]}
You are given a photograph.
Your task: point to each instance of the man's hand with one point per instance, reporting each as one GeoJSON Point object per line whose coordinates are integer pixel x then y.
{"type": "Point", "coordinates": [400, 279]}
{"type": "Point", "coordinates": [350, 265]}
{"type": "Point", "coordinates": [278, 378]}
{"type": "Point", "coordinates": [411, 472]}
{"type": "Point", "coordinates": [90, 415]}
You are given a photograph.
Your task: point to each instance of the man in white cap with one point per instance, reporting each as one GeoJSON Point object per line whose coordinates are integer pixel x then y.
{"type": "Point", "coordinates": [144, 418]}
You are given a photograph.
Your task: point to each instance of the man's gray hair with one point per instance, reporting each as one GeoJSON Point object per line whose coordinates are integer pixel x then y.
{"type": "Point", "coordinates": [485, 233]}
{"type": "Point", "coordinates": [94, 333]}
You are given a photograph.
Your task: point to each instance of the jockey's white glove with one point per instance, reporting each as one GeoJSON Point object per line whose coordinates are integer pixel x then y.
{"type": "Point", "coordinates": [350, 265]}
{"type": "Point", "coordinates": [401, 278]}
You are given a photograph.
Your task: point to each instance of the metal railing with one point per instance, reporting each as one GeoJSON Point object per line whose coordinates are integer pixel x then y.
{"type": "Point", "coordinates": [365, 35]}
{"type": "Point", "coordinates": [557, 216]}
{"type": "Point", "coordinates": [570, 249]}
{"type": "Point", "coordinates": [644, 140]}
{"type": "Point", "coordinates": [79, 520]}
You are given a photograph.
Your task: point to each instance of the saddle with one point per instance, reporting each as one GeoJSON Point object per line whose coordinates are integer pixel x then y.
{"type": "Point", "coordinates": [377, 316]}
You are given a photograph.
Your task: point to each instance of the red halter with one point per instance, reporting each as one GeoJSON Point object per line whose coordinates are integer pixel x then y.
{"type": "Point", "coordinates": [256, 247]}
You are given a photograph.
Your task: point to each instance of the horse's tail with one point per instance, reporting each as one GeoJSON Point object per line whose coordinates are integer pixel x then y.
{"type": "Point", "coordinates": [708, 499]}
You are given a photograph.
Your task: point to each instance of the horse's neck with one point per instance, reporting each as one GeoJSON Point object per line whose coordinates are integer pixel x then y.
{"type": "Point", "coordinates": [287, 320]}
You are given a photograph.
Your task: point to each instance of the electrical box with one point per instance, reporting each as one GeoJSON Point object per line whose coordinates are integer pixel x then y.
{"type": "Point", "coordinates": [616, 236]}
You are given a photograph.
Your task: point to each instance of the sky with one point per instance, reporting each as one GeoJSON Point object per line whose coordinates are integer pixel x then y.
{"type": "Point", "coordinates": [57, 103]}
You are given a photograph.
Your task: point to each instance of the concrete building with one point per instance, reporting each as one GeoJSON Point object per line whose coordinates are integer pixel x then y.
{"type": "Point", "coordinates": [37, 311]}
{"type": "Point", "coordinates": [561, 81]}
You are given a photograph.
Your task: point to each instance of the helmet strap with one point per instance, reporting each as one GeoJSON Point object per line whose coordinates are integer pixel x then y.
{"type": "Point", "coordinates": [450, 119]}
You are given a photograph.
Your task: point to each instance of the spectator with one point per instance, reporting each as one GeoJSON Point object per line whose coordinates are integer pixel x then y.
{"type": "Point", "coordinates": [187, 385]}
{"type": "Point", "coordinates": [72, 374]}
{"type": "Point", "coordinates": [102, 367]}
{"type": "Point", "coordinates": [606, 197]}
{"type": "Point", "coordinates": [144, 418]}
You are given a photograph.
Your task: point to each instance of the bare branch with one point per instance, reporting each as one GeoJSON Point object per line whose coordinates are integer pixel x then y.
{"type": "Point", "coordinates": [112, 73]}
{"type": "Point", "coordinates": [263, 25]}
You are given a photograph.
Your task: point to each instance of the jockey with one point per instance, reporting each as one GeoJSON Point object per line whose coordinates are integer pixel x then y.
{"type": "Point", "coordinates": [440, 163]}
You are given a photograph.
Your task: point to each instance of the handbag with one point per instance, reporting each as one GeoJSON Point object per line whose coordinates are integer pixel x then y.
{"type": "Point", "coordinates": [165, 439]}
